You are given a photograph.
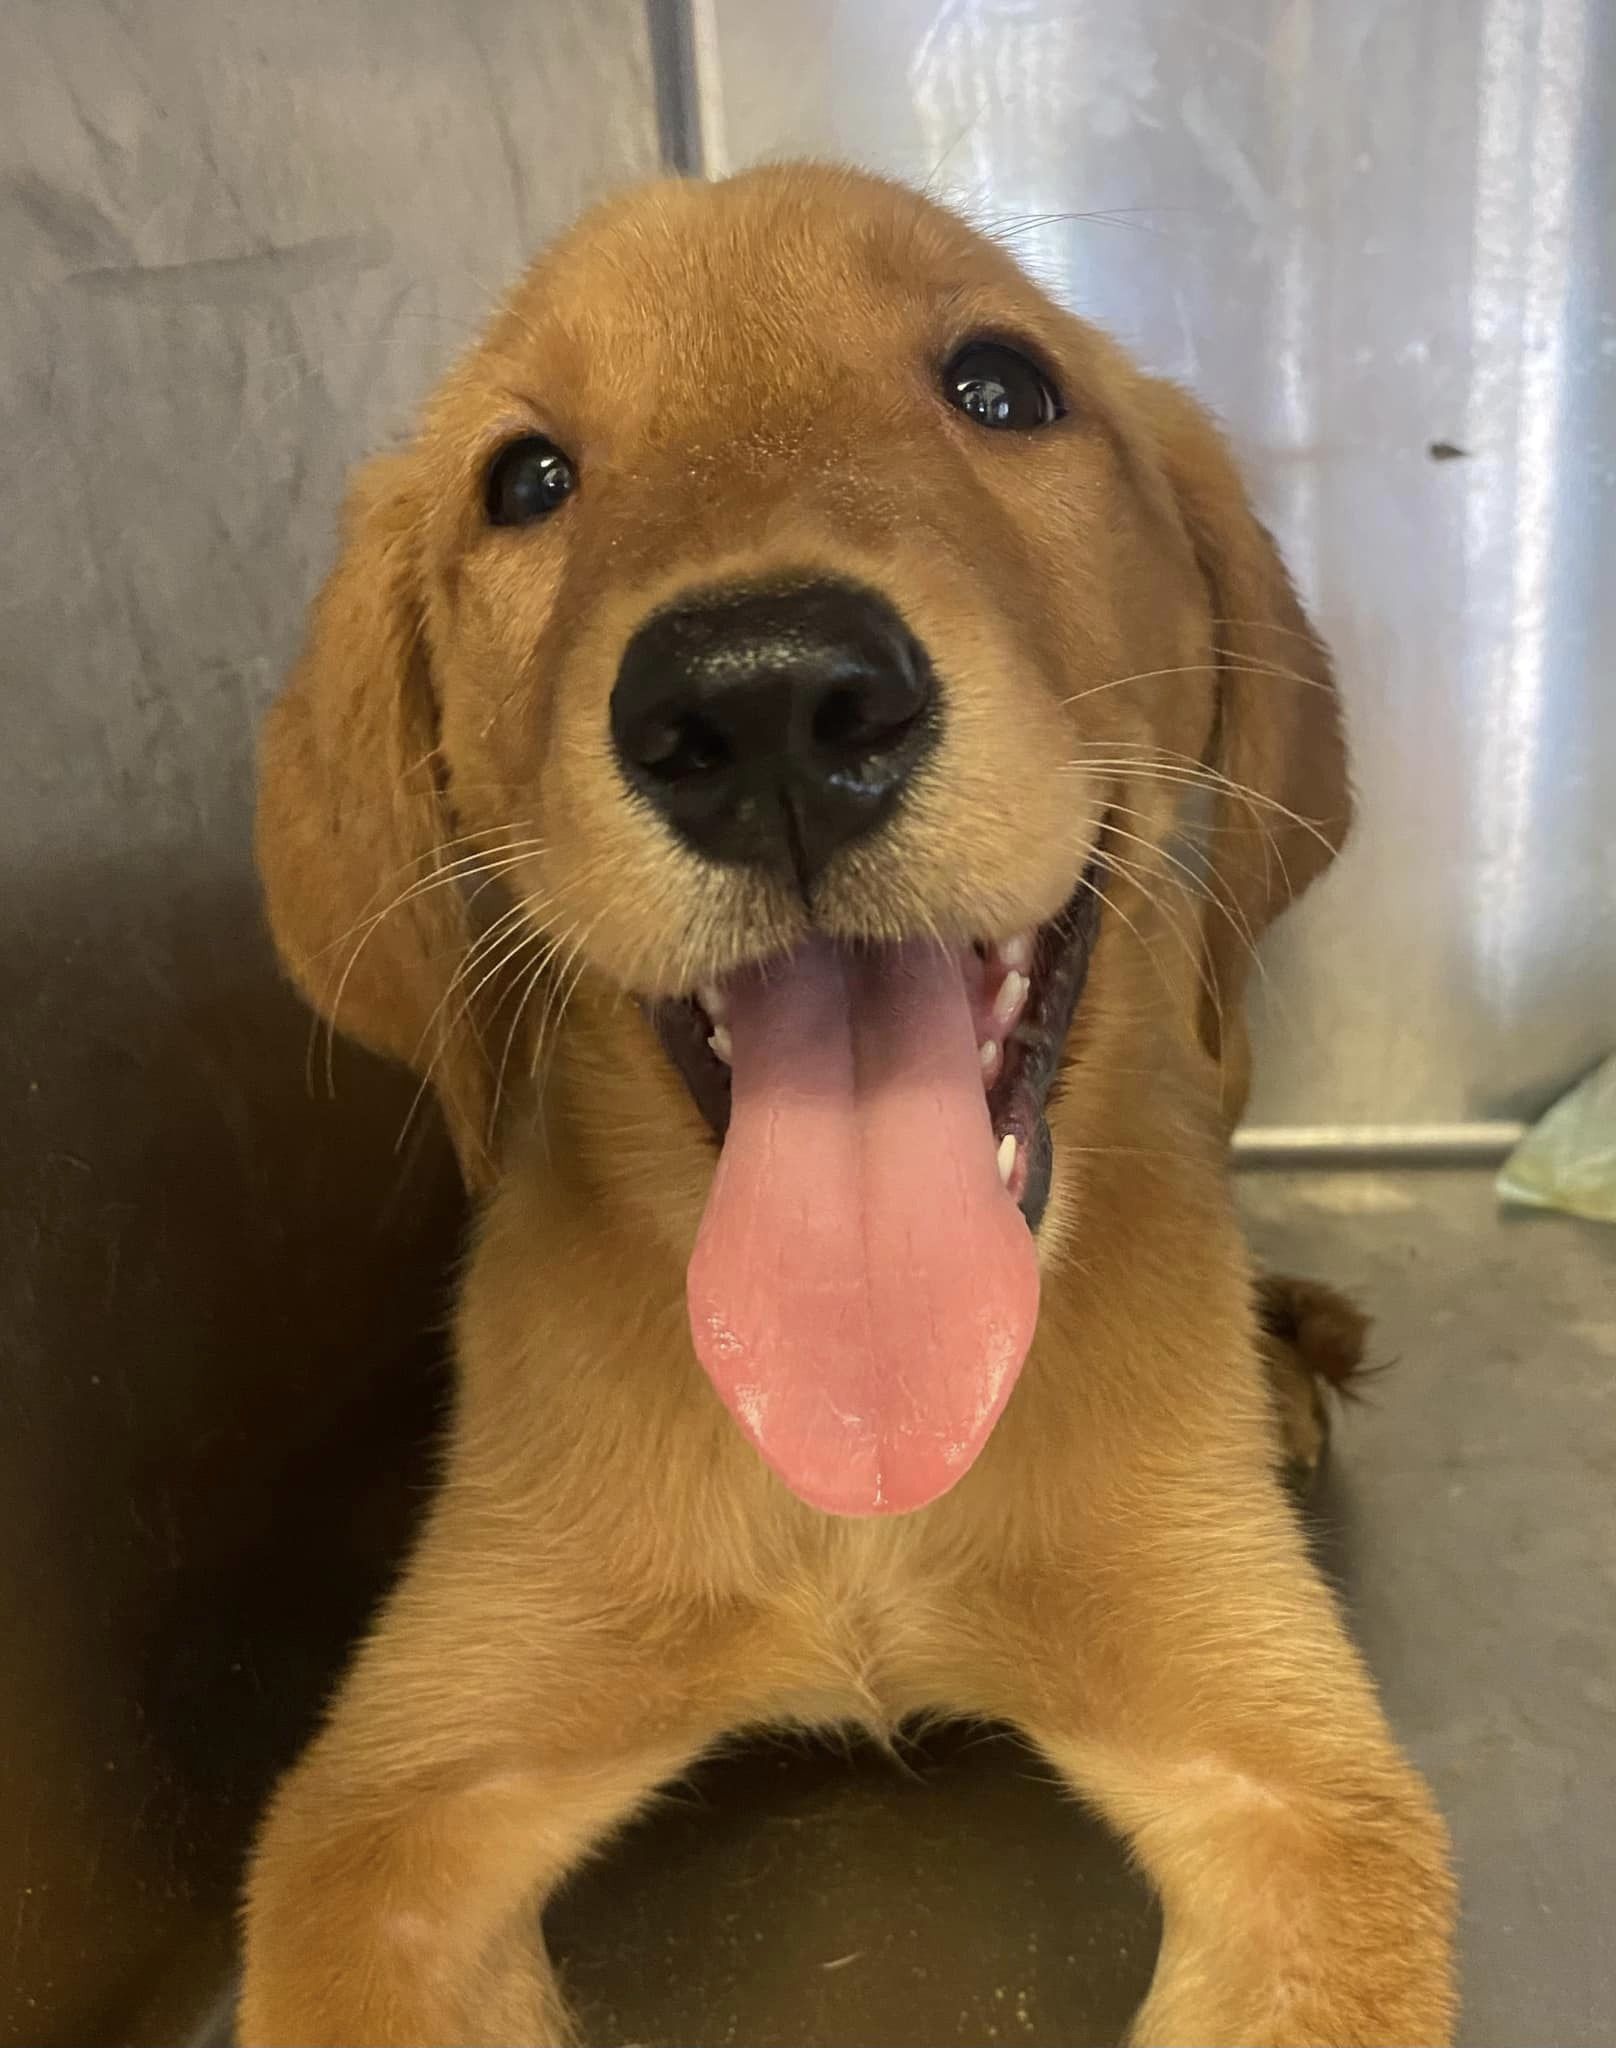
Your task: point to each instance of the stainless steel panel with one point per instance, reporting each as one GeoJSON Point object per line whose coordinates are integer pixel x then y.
{"type": "Point", "coordinates": [1378, 238]}
{"type": "Point", "coordinates": [236, 242]}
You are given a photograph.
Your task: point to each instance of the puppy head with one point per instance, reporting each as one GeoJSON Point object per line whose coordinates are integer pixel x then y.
{"type": "Point", "coordinates": [789, 617]}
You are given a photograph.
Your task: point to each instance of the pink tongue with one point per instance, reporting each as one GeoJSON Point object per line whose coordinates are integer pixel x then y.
{"type": "Point", "coordinates": [863, 1290]}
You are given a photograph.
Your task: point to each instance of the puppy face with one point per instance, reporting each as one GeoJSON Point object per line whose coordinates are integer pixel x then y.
{"type": "Point", "coordinates": [757, 389]}
{"type": "Point", "coordinates": [805, 624]}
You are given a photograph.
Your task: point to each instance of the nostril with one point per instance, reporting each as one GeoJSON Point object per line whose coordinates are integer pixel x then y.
{"type": "Point", "coordinates": [677, 747]}
{"type": "Point", "coordinates": [871, 716]}
{"type": "Point", "coordinates": [841, 719]}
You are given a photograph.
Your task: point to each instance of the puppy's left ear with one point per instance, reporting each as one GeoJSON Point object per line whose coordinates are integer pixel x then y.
{"type": "Point", "coordinates": [1283, 802]}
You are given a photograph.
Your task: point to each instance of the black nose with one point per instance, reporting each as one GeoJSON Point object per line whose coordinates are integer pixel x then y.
{"type": "Point", "coordinates": [774, 727]}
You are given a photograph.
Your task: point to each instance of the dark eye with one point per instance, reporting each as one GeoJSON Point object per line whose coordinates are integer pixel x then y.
{"type": "Point", "coordinates": [527, 479]}
{"type": "Point", "coordinates": [998, 387]}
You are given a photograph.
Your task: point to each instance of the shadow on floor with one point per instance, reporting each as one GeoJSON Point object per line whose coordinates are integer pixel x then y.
{"type": "Point", "coordinates": [795, 1891]}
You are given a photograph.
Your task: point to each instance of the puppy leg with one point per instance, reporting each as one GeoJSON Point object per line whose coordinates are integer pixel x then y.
{"type": "Point", "coordinates": [1213, 1710]}
{"type": "Point", "coordinates": [480, 1748]}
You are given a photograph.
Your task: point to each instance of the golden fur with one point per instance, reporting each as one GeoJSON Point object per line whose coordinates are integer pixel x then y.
{"type": "Point", "coordinates": [610, 1579]}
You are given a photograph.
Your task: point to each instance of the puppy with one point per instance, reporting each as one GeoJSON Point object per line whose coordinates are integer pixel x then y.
{"type": "Point", "coordinates": [797, 754]}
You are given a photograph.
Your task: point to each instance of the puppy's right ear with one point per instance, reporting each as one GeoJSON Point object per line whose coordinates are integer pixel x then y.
{"type": "Point", "coordinates": [353, 826]}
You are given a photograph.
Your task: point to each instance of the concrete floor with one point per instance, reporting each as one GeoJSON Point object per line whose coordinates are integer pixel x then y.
{"type": "Point", "coordinates": [797, 1896]}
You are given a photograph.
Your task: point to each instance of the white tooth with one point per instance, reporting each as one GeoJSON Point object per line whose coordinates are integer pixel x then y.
{"type": "Point", "coordinates": [723, 1045]}
{"type": "Point", "coordinates": [711, 998]}
{"type": "Point", "coordinates": [1007, 1157]}
{"type": "Point", "coordinates": [988, 1053]}
{"type": "Point", "coordinates": [1017, 952]}
{"type": "Point", "coordinates": [1012, 994]}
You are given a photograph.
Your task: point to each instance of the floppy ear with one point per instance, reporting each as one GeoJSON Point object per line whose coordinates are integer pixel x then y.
{"type": "Point", "coordinates": [1282, 803]}
{"type": "Point", "coordinates": [353, 825]}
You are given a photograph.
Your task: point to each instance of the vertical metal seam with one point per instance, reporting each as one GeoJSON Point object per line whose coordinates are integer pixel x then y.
{"type": "Point", "coordinates": [683, 36]}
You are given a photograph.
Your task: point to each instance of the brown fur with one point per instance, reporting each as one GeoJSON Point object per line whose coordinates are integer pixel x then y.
{"type": "Point", "coordinates": [610, 1580]}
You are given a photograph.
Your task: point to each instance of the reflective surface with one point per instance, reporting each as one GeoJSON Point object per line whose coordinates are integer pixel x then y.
{"type": "Point", "coordinates": [1378, 239]}
{"type": "Point", "coordinates": [236, 244]}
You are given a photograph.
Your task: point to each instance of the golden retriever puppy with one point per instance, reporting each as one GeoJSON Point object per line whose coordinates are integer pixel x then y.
{"type": "Point", "coordinates": [796, 754]}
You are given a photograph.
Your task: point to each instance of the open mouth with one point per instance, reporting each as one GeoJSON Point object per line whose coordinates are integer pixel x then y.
{"type": "Point", "coordinates": [1022, 994]}
{"type": "Point", "coordinates": [864, 1286]}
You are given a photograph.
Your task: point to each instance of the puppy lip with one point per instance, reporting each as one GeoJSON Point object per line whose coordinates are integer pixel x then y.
{"type": "Point", "coordinates": [1031, 986]}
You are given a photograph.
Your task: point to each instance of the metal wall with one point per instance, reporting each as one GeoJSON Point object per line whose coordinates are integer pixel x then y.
{"type": "Point", "coordinates": [1379, 236]}
{"type": "Point", "coordinates": [237, 242]}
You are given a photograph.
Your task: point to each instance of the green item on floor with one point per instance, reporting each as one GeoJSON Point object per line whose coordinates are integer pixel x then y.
{"type": "Point", "coordinates": [1568, 1159]}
